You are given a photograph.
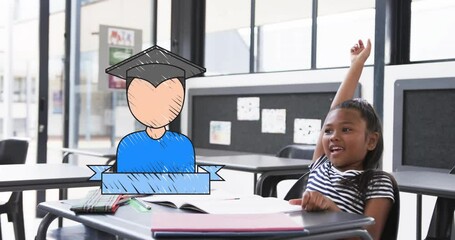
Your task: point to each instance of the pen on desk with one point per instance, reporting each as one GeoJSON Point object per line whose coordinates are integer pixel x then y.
{"type": "Point", "coordinates": [237, 198]}
{"type": "Point", "coordinates": [142, 203]}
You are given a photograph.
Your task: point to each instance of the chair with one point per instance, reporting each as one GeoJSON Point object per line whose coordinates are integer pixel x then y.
{"type": "Point", "coordinates": [297, 151]}
{"type": "Point", "coordinates": [290, 151]}
{"type": "Point", "coordinates": [441, 224]}
{"type": "Point", "coordinates": [390, 230]}
{"type": "Point", "coordinates": [14, 151]}
{"type": "Point", "coordinates": [298, 188]}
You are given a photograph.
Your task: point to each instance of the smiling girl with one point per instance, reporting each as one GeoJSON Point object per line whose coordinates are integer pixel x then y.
{"type": "Point", "coordinates": [343, 176]}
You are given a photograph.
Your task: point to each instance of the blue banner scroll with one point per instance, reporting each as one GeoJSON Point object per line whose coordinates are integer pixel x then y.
{"type": "Point", "coordinates": [155, 183]}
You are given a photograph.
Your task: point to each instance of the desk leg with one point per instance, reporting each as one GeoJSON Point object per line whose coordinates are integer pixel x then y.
{"type": "Point", "coordinates": [62, 195]}
{"type": "Point", "coordinates": [255, 182]}
{"type": "Point", "coordinates": [63, 192]}
{"type": "Point", "coordinates": [419, 217]}
{"type": "Point", "coordinates": [44, 225]}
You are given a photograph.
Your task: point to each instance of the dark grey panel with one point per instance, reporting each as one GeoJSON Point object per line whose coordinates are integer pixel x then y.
{"type": "Point", "coordinates": [220, 104]}
{"type": "Point", "coordinates": [424, 129]}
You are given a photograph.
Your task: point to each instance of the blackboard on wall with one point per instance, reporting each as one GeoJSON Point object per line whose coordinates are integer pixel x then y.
{"type": "Point", "coordinates": [424, 124]}
{"type": "Point", "coordinates": [309, 101]}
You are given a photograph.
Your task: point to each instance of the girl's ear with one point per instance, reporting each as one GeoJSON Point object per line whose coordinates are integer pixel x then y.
{"type": "Point", "coordinates": [372, 140]}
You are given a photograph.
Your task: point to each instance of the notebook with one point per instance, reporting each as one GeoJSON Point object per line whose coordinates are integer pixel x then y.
{"type": "Point", "coordinates": [95, 202]}
{"type": "Point", "coordinates": [218, 204]}
{"type": "Point", "coordinates": [226, 225]}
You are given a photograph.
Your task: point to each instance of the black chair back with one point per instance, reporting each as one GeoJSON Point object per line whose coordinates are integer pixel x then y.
{"type": "Point", "coordinates": [297, 151]}
{"type": "Point", "coordinates": [390, 230]}
{"type": "Point", "coordinates": [14, 151]}
{"type": "Point", "coordinates": [298, 188]}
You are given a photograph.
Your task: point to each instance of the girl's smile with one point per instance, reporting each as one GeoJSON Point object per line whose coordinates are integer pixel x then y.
{"type": "Point", "coordinates": [346, 140]}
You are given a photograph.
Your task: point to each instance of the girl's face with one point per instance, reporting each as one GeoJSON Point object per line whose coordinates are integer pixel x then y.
{"type": "Point", "coordinates": [346, 140]}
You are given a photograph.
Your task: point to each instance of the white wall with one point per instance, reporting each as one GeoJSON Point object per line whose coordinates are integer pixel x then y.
{"type": "Point", "coordinates": [392, 73]}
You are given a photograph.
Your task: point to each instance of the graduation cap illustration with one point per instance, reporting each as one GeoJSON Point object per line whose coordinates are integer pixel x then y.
{"type": "Point", "coordinates": [155, 65]}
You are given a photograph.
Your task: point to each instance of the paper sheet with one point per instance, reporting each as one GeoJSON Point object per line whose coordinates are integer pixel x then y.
{"type": "Point", "coordinates": [248, 108]}
{"type": "Point", "coordinates": [273, 121]}
{"type": "Point", "coordinates": [220, 132]}
{"type": "Point", "coordinates": [306, 131]}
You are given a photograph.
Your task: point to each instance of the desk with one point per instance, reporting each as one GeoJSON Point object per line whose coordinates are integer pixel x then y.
{"type": "Point", "coordinates": [256, 163]}
{"type": "Point", "coordinates": [22, 177]}
{"type": "Point", "coordinates": [129, 223]}
{"type": "Point", "coordinates": [266, 165]}
{"type": "Point", "coordinates": [428, 183]}
{"type": "Point", "coordinates": [109, 153]}
{"type": "Point", "coordinates": [206, 152]}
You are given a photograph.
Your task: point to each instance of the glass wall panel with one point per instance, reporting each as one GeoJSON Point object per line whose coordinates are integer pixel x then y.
{"type": "Point", "coordinates": [283, 35]}
{"type": "Point", "coordinates": [433, 18]}
{"type": "Point", "coordinates": [102, 114]}
{"type": "Point", "coordinates": [56, 81]}
{"type": "Point", "coordinates": [340, 25]}
{"type": "Point", "coordinates": [227, 36]}
{"type": "Point", "coordinates": [164, 24]}
{"type": "Point", "coordinates": [23, 79]}
{"type": "Point", "coordinates": [19, 71]}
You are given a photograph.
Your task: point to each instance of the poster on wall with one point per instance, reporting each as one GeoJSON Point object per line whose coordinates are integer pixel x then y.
{"type": "Point", "coordinates": [248, 108]}
{"type": "Point", "coordinates": [116, 55]}
{"type": "Point", "coordinates": [120, 36]}
{"type": "Point", "coordinates": [220, 132]}
{"type": "Point", "coordinates": [306, 131]}
{"type": "Point", "coordinates": [273, 121]}
{"type": "Point", "coordinates": [116, 44]}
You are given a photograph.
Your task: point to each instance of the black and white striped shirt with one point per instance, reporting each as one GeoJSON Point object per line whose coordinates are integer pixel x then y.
{"type": "Point", "coordinates": [325, 179]}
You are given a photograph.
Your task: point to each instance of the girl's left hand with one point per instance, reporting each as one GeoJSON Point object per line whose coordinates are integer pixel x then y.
{"type": "Point", "coordinates": [314, 201]}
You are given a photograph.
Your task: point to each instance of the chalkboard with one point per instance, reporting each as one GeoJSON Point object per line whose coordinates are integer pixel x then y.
{"type": "Point", "coordinates": [424, 129]}
{"type": "Point", "coordinates": [309, 101]}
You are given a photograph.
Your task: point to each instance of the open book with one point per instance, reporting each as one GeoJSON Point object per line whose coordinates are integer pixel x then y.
{"type": "Point", "coordinates": [224, 204]}
{"type": "Point", "coordinates": [226, 225]}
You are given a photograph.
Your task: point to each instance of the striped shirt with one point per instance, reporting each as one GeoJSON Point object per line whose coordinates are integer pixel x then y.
{"type": "Point", "coordinates": [325, 179]}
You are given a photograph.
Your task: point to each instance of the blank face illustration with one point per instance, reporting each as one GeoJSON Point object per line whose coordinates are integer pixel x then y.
{"type": "Point", "coordinates": [157, 106]}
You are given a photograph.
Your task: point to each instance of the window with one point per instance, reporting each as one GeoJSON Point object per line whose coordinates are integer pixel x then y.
{"type": "Point", "coordinates": [163, 38]}
{"type": "Point", "coordinates": [340, 25]}
{"type": "Point", "coordinates": [102, 114]}
{"type": "Point", "coordinates": [433, 18]}
{"type": "Point", "coordinates": [19, 19]}
{"type": "Point", "coordinates": [227, 37]}
{"type": "Point", "coordinates": [283, 35]}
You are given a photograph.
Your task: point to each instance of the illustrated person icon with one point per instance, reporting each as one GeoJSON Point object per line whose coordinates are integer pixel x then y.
{"type": "Point", "coordinates": [155, 80]}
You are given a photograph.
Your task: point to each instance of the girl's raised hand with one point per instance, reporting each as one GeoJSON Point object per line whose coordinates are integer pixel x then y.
{"type": "Point", "coordinates": [360, 52]}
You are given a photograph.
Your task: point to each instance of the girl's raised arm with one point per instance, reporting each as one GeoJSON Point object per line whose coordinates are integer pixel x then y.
{"type": "Point", "coordinates": [359, 55]}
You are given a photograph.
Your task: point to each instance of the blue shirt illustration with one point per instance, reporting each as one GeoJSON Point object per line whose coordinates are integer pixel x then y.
{"type": "Point", "coordinates": [173, 152]}
{"type": "Point", "coordinates": [156, 160]}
